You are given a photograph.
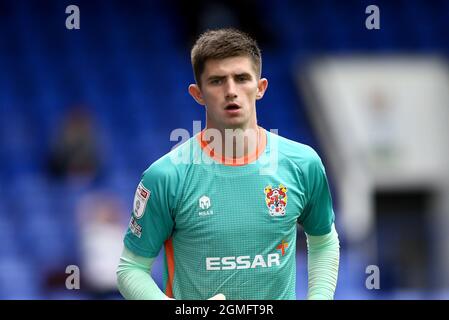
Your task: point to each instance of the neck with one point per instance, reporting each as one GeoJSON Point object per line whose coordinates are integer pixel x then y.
{"type": "Point", "coordinates": [233, 143]}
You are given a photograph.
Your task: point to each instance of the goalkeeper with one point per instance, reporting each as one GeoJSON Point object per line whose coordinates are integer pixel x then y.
{"type": "Point", "coordinates": [226, 203]}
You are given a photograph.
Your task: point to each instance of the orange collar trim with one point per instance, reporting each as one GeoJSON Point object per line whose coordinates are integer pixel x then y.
{"type": "Point", "coordinates": [260, 148]}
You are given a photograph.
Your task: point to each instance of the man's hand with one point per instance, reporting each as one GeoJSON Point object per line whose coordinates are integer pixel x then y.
{"type": "Point", "coordinates": [219, 296]}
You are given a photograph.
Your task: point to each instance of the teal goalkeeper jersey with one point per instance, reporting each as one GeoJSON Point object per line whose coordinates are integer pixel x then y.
{"type": "Point", "coordinates": [230, 228]}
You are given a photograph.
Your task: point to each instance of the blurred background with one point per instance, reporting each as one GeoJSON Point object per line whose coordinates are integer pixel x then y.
{"type": "Point", "coordinates": [84, 112]}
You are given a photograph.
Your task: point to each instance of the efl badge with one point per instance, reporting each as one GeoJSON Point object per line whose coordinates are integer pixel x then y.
{"type": "Point", "coordinates": [135, 228]}
{"type": "Point", "coordinates": [140, 201]}
{"type": "Point", "coordinates": [276, 200]}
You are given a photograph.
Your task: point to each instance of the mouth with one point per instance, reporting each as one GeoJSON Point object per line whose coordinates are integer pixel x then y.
{"type": "Point", "coordinates": [232, 106]}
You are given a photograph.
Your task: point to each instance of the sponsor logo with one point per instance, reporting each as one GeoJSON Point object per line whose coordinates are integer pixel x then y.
{"type": "Point", "coordinates": [283, 246]}
{"type": "Point", "coordinates": [140, 200]}
{"type": "Point", "coordinates": [242, 262]}
{"type": "Point", "coordinates": [276, 200]}
{"type": "Point", "coordinates": [247, 262]}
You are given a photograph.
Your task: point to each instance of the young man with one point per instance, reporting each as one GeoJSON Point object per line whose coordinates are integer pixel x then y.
{"type": "Point", "coordinates": [225, 203]}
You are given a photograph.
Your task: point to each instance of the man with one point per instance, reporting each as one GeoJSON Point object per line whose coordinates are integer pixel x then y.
{"type": "Point", "coordinates": [225, 203]}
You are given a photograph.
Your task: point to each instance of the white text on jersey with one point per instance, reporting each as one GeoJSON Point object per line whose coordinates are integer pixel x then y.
{"type": "Point", "coordinates": [242, 262]}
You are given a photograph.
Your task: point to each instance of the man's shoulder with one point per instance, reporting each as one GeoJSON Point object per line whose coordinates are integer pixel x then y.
{"type": "Point", "coordinates": [172, 164]}
{"type": "Point", "coordinates": [296, 151]}
{"type": "Point", "coordinates": [303, 157]}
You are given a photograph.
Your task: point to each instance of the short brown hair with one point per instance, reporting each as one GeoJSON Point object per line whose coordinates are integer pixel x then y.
{"type": "Point", "coordinates": [221, 44]}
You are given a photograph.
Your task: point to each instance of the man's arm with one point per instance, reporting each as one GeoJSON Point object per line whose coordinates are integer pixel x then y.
{"type": "Point", "coordinates": [134, 278]}
{"type": "Point", "coordinates": [135, 282]}
{"type": "Point", "coordinates": [323, 262]}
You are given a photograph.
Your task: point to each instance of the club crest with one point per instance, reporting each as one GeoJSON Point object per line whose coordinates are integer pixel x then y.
{"type": "Point", "coordinates": [276, 200]}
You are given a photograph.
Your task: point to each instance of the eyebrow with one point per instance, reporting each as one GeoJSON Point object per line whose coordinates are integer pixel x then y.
{"type": "Point", "coordinates": [244, 74]}
{"type": "Point", "coordinates": [217, 77]}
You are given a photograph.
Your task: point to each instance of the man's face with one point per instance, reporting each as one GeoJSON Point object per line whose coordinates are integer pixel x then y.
{"type": "Point", "coordinates": [229, 90]}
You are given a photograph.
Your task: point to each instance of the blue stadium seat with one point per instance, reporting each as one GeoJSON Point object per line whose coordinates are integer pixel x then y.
{"type": "Point", "coordinates": [18, 279]}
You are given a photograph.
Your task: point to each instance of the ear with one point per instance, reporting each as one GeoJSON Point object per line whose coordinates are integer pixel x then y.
{"type": "Point", "coordinates": [262, 85]}
{"type": "Point", "coordinates": [195, 92]}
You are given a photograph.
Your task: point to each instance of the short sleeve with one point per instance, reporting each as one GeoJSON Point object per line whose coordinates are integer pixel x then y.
{"type": "Point", "coordinates": [318, 215]}
{"type": "Point", "coordinates": [152, 219]}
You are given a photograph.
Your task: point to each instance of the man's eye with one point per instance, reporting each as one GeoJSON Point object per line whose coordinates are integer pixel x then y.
{"type": "Point", "coordinates": [241, 79]}
{"type": "Point", "coordinates": [215, 81]}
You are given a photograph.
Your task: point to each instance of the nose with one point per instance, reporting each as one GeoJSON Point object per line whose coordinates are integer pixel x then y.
{"type": "Point", "coordinates": [231, 92]}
